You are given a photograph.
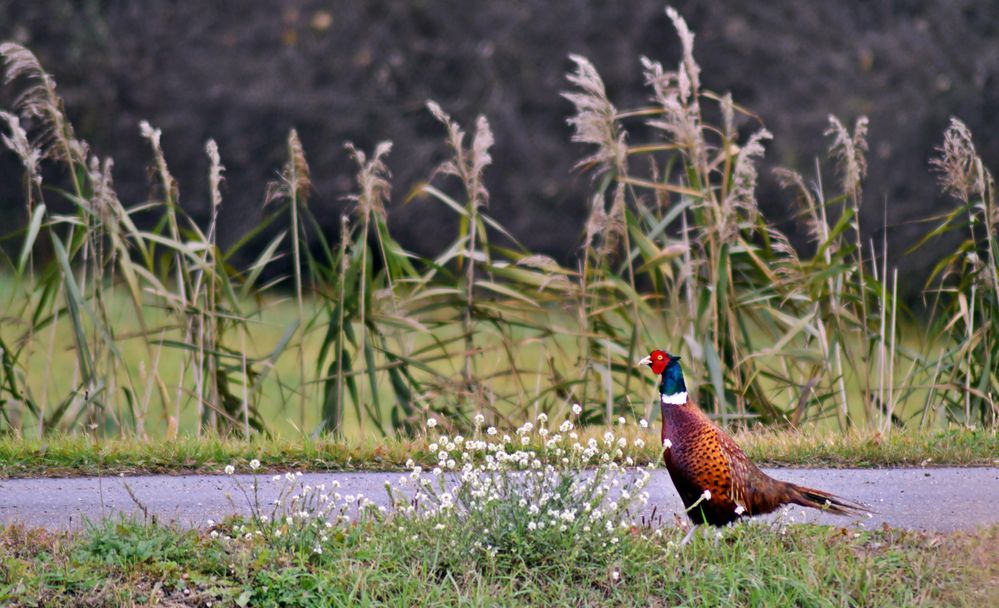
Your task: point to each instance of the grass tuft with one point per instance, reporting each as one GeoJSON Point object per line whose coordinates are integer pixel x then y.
{"type": "Point", "coordinates": [72, 455]}
{"type": "Point", "coordinates": [378, 564]}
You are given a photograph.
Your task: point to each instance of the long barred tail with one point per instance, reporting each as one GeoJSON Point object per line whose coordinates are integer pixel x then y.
{"type": "Point", "coordinates": [817, 499]}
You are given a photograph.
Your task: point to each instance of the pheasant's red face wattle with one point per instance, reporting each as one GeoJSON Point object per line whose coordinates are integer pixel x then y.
{"type": "Point", "coordinates": [658, 360]}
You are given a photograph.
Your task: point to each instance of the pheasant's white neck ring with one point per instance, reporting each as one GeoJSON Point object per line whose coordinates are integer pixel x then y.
{"type": "Point", "coordinates": [675, 399]}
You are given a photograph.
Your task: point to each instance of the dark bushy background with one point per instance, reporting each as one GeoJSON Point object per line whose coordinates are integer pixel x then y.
{"type": "Point", "coordinates": [244, 72]}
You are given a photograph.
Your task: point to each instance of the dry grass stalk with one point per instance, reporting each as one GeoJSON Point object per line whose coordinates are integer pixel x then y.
{"type": "Point", "coordinates": [468, 165]}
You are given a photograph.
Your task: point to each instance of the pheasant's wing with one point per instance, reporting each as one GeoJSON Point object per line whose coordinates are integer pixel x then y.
{"type": "Point", "coordinates": [752, 489]}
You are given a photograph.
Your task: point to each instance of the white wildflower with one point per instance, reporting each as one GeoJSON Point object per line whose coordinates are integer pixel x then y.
{"type": "Point", "coordinates": [577, 409]}
{"type": "Point", "coordinates": [254, 464]}
{"type": "Point", "coordinates": [431, 423]}
{"type": "Point", "coordinates": [229, 469]}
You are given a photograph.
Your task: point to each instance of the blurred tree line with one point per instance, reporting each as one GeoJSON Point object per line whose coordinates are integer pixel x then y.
{"type": "Point", "coordinates": [245, 72]}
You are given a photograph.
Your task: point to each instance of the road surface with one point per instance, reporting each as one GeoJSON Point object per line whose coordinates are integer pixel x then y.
{"type": "Point", "coordinates": [930, 499]}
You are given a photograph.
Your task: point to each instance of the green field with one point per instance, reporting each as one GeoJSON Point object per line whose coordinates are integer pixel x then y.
{"type": "Point", "coordinates": [53, 373]}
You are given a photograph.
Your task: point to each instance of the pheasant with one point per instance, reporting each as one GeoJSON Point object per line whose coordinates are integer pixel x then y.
{"type": "Point", "coordinates": [716, 481]}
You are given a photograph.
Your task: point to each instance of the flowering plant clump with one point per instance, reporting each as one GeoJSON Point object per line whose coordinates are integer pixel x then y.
{"type": "Point", "coordinates": [493, 499]}
{"type": "Point", "coordinates": [500, 497]}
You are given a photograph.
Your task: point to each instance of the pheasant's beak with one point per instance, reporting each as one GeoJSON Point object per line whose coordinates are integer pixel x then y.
{"type": "Point", "coordinates": [646, 361]}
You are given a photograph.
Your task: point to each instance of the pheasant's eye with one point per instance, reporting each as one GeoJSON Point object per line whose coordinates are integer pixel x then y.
{"type": "Point", "coordinates": [660, 357]}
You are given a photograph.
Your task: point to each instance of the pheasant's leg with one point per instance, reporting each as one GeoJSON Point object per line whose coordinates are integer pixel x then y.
{"type": "Point", "coordinates": [690, 534]}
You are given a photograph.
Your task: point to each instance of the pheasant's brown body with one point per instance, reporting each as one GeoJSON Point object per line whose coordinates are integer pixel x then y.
{"type": "Point", "coordinates": [701, 456]}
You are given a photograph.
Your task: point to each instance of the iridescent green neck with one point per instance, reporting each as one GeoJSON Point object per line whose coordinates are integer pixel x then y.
{"type": "Point", "coordinates": [673, 389]}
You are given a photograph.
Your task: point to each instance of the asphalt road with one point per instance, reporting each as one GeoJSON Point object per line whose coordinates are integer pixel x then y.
{"type": "Point", "coordinates": [931, 499]}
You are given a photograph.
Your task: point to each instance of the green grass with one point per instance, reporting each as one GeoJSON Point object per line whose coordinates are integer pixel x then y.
{"type": "Point", "coordinates": [76, 455]}
{"type": "Point", "coordinates": [123, 563]}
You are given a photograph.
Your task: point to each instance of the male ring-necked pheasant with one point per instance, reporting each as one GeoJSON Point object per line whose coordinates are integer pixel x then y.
{"type": "Point", "coordinates": [701, 457]}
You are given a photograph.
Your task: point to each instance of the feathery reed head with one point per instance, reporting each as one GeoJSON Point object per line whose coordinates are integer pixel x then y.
{"type": "Point", "coordinates": [688, 73]}
{"type": "Point", "coordinates": [296, 181]}
{"type": "Point", "coordinates": [372, 179]}
{"type": "Point", "coordinates": [849, 150]}
{"type": "Point", "coordinates": [606, 226]}
{"type": "Point", "coordinates": [960, 169]}
{"type": "Point", "coordinates": [296, 171]}
{"type": "Point", "coordinates": [467, 164]}
{"type": "Point", "coordinates": [679, 118]}
{"type": "Point", "coordinates": [595, 120]}
{"type": "Point", "coordinates": [743, 192]}
{"type": "Point", "coordinates": [153, 136]}
{"type": "Point", "coordinates": [214, 173]}
{"type": "Point", "coordinates": [40, 100]}
{"type": "Point", "coordinates": [19, 144]}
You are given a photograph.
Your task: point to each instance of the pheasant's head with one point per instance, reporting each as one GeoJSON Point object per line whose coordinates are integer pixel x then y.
{"type": "Point", "coordinates": [658, 361]}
